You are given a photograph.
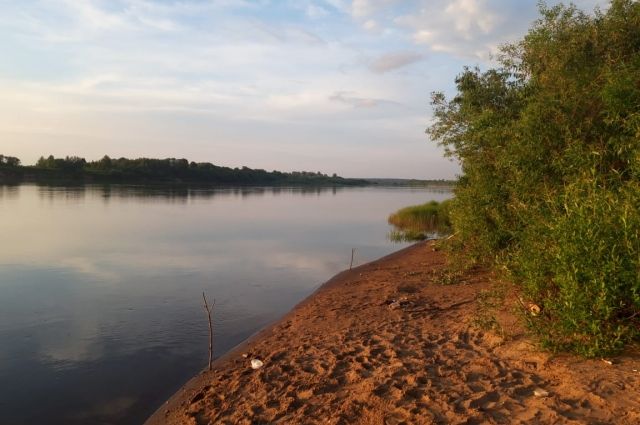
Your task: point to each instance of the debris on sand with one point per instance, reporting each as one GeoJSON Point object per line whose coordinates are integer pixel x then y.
{"type": "Point", "coordinates": [394, 304]}
{"type": "Point", "coordinates": [539, 392]}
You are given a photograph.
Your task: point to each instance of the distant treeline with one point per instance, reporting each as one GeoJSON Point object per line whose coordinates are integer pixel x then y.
{"type": "Point", "coordinates": [149, 170]}
{"type": "Point", "coordinates": [9, 161]}
{"type": "Point", "coordinates": [439, 183]}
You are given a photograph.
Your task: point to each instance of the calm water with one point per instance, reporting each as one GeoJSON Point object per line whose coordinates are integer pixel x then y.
{"type": "Point", "coordinates": [100, 287]}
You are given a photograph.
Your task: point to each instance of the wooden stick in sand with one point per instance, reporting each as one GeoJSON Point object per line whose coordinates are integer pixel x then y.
{"type": "Point", "coordinates": [353, 250]}
{"type": "Point", "coordinates": [208, 310]}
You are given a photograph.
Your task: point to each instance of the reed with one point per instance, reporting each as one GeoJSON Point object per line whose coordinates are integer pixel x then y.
{"type": "Point", "coordinates": [419, 222]}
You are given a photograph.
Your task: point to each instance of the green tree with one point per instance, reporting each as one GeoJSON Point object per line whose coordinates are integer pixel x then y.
{"type": "Point", "coordinates": [49, 162]}
{"type": "Point", "coordinates": [9, 161]}
{"type": "Point", "coordinates": [549, 144]}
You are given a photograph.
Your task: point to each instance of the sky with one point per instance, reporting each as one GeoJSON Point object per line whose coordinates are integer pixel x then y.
{"type": "Point", "coordinates": [336, 86]}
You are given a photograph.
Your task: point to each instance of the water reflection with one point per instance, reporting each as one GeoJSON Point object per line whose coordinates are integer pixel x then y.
{"type": "Point", "coordinates": [181, 193]}
{"type": "Point", "coordinates": [100, 286]}
{"type": "Point", "coordinates": [9, 191]}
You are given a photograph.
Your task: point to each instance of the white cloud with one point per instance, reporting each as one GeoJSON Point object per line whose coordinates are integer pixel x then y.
{"type": "Point", "coordinates": [315, 11]}
{"type": "Point", "coordinates": [370, 25]}
{"type": "Point", "coordinates": [394, 60]}
{"type": "Point", "coordinates": [365, 8]}
{"type": "Point", "coordinates": [467, 28]}
{"type": "Point", "coordinates": [350, 99]}
{"type": "Point", "coordinates": [470, 17]}
{"type": "Point", "coordinates": [464, 28]}
{"type": "Point", "coordinates": [340, 5]}
{"type": "Point", "coordinates": [362, 8]}
{"type": "Point", "coordinates": [89, 15]}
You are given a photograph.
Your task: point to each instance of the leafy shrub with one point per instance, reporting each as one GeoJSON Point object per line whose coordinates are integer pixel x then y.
{"type": "Point", "coordinates": [549, 145]}
{"type": "Point", "coordinates": [588, 277]}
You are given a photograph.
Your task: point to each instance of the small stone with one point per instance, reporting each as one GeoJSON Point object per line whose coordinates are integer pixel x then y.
{"type": "Point", "coordinates": [534, 309]}
{"type": "Point", "coordinates": [539, 392]}
{"type": "Point", "coordinates": [393, 420]}
{"type": "Point", "coordinates": [609, 362]}
{"type": "Point", "coordinates": [256, 364]}
{"type": "Point", "coordinates": [394, 305]}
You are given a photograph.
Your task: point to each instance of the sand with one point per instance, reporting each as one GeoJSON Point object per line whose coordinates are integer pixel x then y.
{"type": "Point", "coordinates": [387, 343]}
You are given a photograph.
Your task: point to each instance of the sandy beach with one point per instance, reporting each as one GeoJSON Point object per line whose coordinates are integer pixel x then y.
{"type": "Point", "coordinates": [388, 343]}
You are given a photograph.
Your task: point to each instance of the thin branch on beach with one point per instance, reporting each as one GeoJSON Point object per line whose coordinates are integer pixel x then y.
{"type": "Point", "coordinates": [437, 308]}
{"type": "Point", "coordinates": [526, 310]}
{"type": "Point", "coordinates": [209, 310]}
{"type": "Point", "coordinates": [353, 250]}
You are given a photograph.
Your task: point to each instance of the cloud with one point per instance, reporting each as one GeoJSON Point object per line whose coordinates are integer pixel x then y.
{"type": "Point", "coordinates": [395, 60]}
{"type": "Point", "coordinates": [362, 8]}
{"type": "Point", "coordinates": [365, 8]}
{"type": "Point", "coordinates": [82, 21]}
{"type": "Point", "coordinates": [473, 28]}
{"type": "Point", "coordinates": [348, 98]}
{"type": "Point", "coordinates": [468, 28]}
{"type": "Point", "coordinates": [464, 28]}
{"type": "Point", "coordinates": [315, 11]}
{"type": "Point", "coordinates": [370, 25]}
{"type": "Point", "coordinates": [471, 17]}
{"type": "Point", "coordinates": [89, 15]}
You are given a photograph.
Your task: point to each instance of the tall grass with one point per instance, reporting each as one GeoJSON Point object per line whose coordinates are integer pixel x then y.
{"type": "Point", "coordinates": [419, 222]}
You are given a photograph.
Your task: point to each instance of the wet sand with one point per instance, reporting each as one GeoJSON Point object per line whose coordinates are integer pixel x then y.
{"type": "Point", "coordinates": [388, 343]}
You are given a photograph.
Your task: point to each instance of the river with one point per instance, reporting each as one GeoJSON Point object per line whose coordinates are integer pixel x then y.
{"type": "Point", "coordinates": [101, 315]}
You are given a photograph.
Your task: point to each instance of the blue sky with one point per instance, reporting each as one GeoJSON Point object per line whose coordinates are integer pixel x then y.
{"type": "Point", "coordinates": [322, 85]}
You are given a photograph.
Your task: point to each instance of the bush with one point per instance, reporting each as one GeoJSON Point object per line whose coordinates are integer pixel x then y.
{"type": "Point", "coordinates": [587, 276]}
{"type": "Point", "coordinates": [549, 145]}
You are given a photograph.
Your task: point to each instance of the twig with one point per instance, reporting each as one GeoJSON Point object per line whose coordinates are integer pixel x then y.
{"type": "Point", "coordinates": [353, 250]}
{"type": "Point", "coordinates": [450, 236]}
{"type": "Point", "coordinates": [633, 315]}
{"type": "Point", "coordinates": [526, 310]}
{"type": "Point", "coordinates": [209, 310]}
{"type": "Point", "coordinates": [436, 308]}
{"type": "Point", "coordinates": [458, 304]}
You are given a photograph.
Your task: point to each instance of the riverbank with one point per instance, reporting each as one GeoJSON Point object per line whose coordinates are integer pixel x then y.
{"type": "Point", "coordinates": [387, 343]}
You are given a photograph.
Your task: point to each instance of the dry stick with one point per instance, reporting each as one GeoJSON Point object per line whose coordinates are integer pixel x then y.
{"type": "Point", "coordinates": [351, 264]}
{"type": "Point", "coordinates": [208, 310]}
{"type": "Point", "coordinates": [449, 307]}
{"type": "Point", "coordinates": [450, 236]}
{"type": "Point", "coordinates": [526, 310]}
